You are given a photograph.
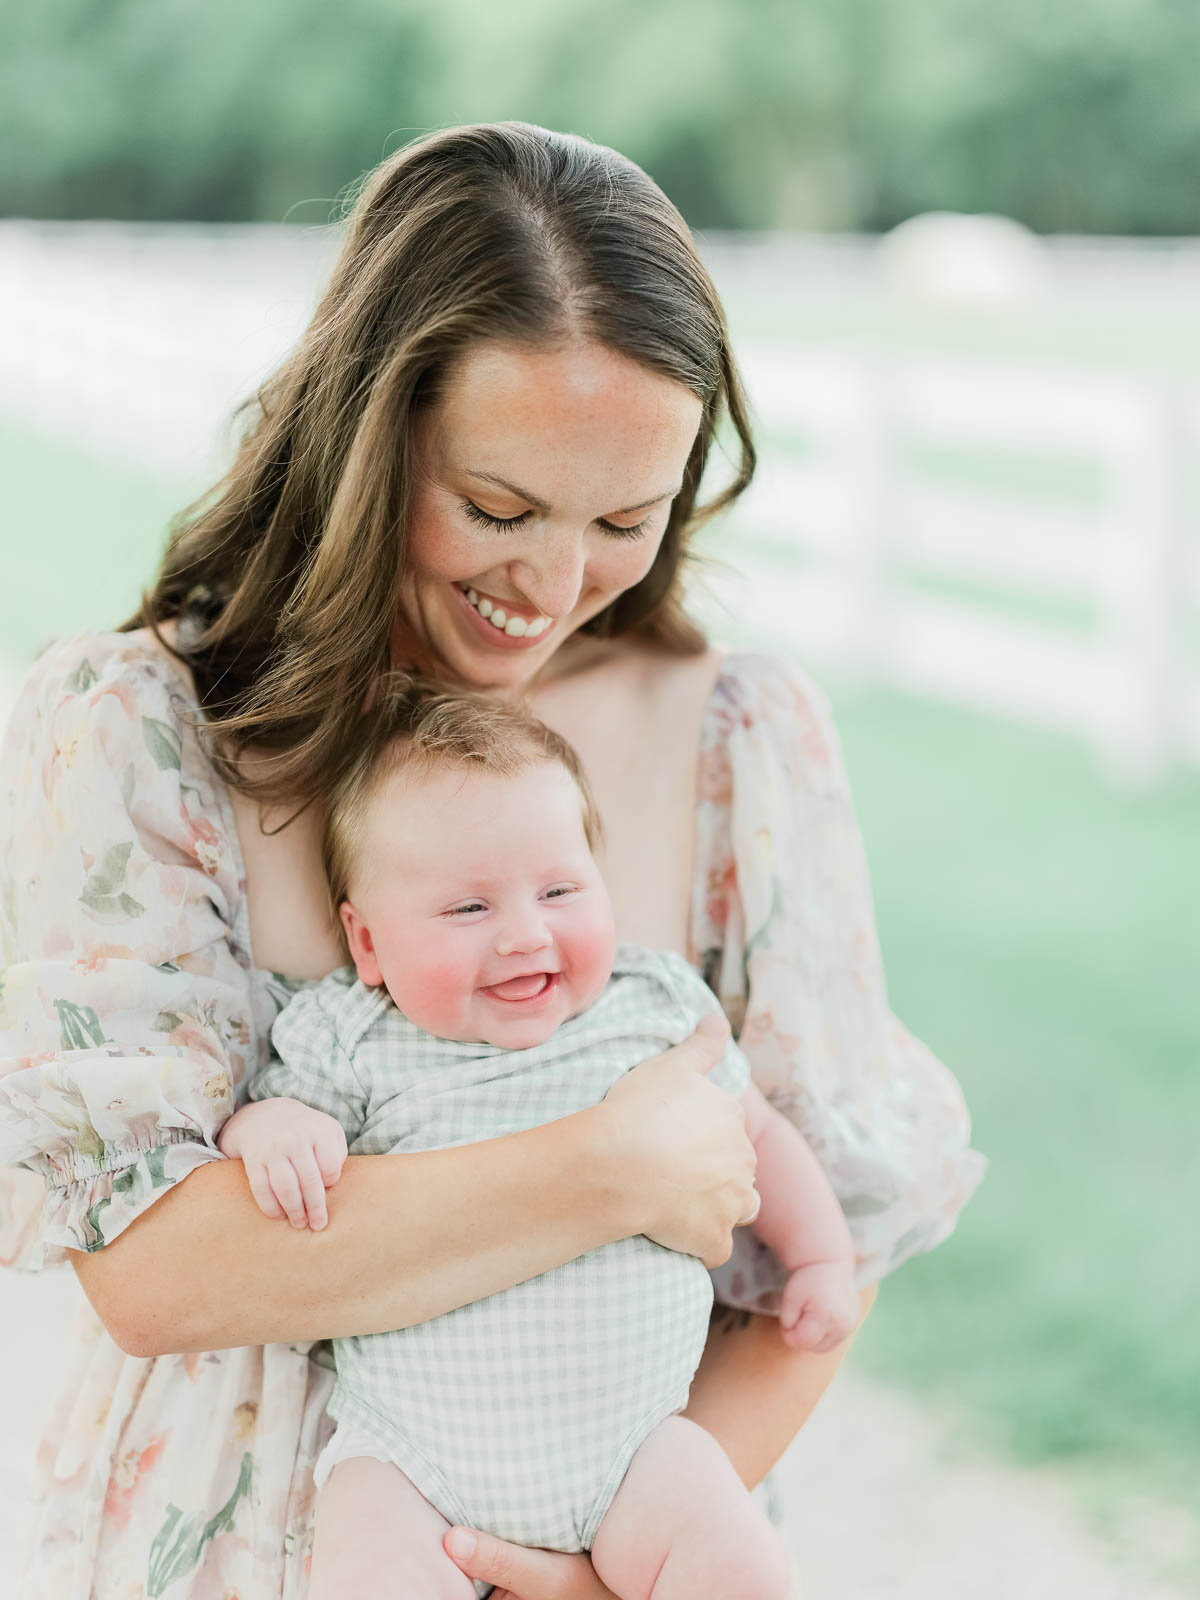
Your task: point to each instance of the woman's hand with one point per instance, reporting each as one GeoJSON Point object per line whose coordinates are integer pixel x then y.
{"type": "Point", "coordinates": [692, 1164]}
{"type": "Point", "coordinates": [520, 1573]}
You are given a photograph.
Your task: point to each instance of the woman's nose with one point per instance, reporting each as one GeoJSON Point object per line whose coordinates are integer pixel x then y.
{"type": "Point", "coordinates": [549, 572]}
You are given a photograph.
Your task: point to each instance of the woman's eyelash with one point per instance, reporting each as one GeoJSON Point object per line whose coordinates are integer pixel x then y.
{"type": "Point", "coordinates": [504, 524]}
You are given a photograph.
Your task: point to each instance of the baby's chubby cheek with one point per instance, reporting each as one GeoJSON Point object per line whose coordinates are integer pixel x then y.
{"type": "Point", "coordinates": [434, 995]}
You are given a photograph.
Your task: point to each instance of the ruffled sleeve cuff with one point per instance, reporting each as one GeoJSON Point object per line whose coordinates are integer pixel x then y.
{"type": "Point", "coordinates": [127, 1025]}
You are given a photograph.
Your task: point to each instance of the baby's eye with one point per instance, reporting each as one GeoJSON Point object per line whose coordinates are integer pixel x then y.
{"type": "Point", "coordinates": [559, 890]}
{"type": "Point", "coordinates": [462, 911]}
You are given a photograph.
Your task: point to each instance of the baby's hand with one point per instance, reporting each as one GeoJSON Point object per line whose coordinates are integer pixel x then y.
{"type": "Point", "coordinates": [292, 1154]}
{"type": "Point", "coordinates": [819, 1307]}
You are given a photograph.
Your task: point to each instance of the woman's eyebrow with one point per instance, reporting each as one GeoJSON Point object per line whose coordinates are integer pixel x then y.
{"type": "Point", "coordinates": [523, 494]}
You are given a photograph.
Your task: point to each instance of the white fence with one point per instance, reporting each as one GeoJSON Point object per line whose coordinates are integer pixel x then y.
{"type": "Point", "coordinates": [872, 522]}
{"type": "Point", "coordinates": [140, 341]}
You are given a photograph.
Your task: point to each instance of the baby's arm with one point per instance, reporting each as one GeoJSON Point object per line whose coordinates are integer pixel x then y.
{"type": "Point", "coordinates": [291, 1153]}
{"type": "Point", "coordinates": [802, 1222]}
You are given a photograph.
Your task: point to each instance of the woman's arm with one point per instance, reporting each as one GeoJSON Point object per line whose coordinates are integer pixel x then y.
{"type": "Point", "coordinates": [409, 1237]}
{"type": "Point", "coordinates": [752, 1393]}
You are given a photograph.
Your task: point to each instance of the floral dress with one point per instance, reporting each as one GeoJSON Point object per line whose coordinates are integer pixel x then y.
{"type": "Point", "coordinates": [132, 1016]}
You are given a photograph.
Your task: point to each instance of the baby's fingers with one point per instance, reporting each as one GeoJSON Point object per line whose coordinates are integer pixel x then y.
{"type": "Point", "coordinates": [260, 1188]}
{"type": "Point", "coordinates": [329, 1146]}
{"type": "Point", "coordinates": [312, 1187]}
{"type": "Point", "coordinates": [285, 1184]}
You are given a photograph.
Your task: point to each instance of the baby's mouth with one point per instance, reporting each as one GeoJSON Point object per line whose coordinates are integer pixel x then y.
{"type": "Point", "coordinates": [525, 988]}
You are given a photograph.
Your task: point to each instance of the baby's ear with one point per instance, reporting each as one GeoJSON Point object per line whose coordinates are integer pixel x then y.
{"type": "Point", "coordinates": [362, 946]}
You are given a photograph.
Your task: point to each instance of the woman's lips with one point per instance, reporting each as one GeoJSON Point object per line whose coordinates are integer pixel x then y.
{"type": "Point", "coordinates": [516, 991]}
{"type": "Point", "coordinates": [493, 636]}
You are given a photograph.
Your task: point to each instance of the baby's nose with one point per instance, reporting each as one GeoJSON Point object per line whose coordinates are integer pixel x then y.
{"type": "Point", "coordinates": [522, 933]}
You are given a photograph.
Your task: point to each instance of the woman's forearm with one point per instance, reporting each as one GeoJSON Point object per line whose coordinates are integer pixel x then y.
{"type": "Point", "coordinates": [409, 1237]}
{"type": "Point", "coordinates": [752, 1393]}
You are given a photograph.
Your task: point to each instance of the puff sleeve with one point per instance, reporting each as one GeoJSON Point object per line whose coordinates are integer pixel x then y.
{"type": "Point", "coordinates": [126, 1017]}
{"type": "Point", "coordinates": [784, 932]}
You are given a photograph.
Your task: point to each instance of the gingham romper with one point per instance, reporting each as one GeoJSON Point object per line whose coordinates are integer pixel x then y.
{"type": "Point", "coordinates": [520, 1413]}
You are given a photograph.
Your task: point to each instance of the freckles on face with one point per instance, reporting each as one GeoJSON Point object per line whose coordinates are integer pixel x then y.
{"type": "Point", "coordinates": [542, 483]}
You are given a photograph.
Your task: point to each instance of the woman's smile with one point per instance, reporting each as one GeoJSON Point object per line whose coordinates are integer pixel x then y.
{"type": "Point", "coordinates": [493, 590]}
{"type": "Point", "coordinates": [503, 624]}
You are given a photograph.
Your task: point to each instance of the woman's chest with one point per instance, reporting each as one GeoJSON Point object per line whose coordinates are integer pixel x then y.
{"type": "Point", "coordinates": [292, 929]}
{"type": "Point", "coordinates": [639, 742]}
{"type": "Point", "coordinates": [636, 726]}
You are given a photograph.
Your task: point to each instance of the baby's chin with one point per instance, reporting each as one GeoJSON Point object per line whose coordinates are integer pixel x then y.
{"type": "Point", "coordinates": [484, 1023]}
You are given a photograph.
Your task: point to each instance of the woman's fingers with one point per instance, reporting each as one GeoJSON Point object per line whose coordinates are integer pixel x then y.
{"type": "Point", "coordinates": [523, 1573]}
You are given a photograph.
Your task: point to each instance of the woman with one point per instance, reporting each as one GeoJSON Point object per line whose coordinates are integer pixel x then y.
{"type": "Point", "coordinates": [482, 460]}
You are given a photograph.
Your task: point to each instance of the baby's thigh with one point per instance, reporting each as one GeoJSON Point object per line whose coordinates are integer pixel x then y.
{"type": "Point", "coordinates": [377, 1538]}
{"type": "Point", "coordinates": [683, 1524]}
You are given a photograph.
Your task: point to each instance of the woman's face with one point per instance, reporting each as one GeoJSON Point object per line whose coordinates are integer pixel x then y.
{"type": "Point", "coordinates": [591, 448]}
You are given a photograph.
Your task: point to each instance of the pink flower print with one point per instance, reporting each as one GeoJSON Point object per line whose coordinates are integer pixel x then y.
{"type": "Point", "coordinates": [206, 842]}
{"type": "Point", "coordinates": [812, 739]}
{"type": "Point", "coordinates": [714, 776]}
{"type": "Point", "coordinates": [128, 1472]}
{"type": "Point", "coordinates": [722, 885]}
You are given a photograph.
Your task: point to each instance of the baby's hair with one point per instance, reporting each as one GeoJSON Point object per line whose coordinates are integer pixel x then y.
{"type": "Point", "coordinates": [419, 725]}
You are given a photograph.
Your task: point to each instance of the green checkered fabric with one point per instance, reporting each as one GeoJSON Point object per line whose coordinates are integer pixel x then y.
{"type": "Point", "coordinates": [521, 1412]}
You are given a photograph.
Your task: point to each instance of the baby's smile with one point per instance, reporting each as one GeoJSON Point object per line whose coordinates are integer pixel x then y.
{"type": "Point", "coordinates": [483, 911]}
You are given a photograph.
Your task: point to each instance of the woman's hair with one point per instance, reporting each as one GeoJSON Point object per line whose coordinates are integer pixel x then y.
{"type": "Point", "coordinates": [418, 726]}
{"type": "Point", "coordinates": [286, 576]}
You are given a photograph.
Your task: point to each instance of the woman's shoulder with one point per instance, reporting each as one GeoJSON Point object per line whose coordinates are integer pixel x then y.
{"type": "Point", "coordinates": [750, 677]}
{"type": "Point", "coordinates": [93, 662]}
{"type": "Point", "coordinates": [765, 705]}
{"type": "Point", "coordinates": [105, 723]}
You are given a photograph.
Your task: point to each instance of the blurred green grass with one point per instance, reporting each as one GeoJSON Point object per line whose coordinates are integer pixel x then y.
{"type": "Point", "coordinates": [1039, 934]}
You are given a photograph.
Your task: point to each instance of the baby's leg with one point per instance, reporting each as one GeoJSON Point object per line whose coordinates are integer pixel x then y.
{"type": "Point", "coordinates": [378, 1538]}
{"type": "Point", "coordinates": [683, 1524]}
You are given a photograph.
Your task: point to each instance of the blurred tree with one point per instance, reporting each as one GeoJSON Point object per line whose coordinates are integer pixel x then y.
{"type": "Point", "coordinates": [1071, 119]}
{"type": "Point", "coordinates": [765, 113]}
{"type": "Point", "coordinates": [165, 108]}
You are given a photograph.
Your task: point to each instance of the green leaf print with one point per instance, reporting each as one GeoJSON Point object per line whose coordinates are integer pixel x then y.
{"type": "Point", "coordinates": [762, 936]}
{"type": "Point", "coordinates": [78, 1026]}
{"type": "Point", "coordinates": [110, 874]}
{"type": "Point", "coordinates": [150, 1164]}
{"type": "Point", "coordinates": [864, 1205]}
{"type": "Point", "coordinates": [103, 894]}
{"type": "Point", "coordinates": [166, 1022]}
{"type": "Point", "coordinates": [127, 787]}
{"type": "Point", "coordinates": [163, 743]}
{"type": "Point", "coordinates": [82, 678]}
{"type": "Point", "coordinates": [180, 1542]}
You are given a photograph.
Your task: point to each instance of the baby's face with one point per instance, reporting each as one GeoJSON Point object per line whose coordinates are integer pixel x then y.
{"type": "Point", "coordinates": [477, 902]}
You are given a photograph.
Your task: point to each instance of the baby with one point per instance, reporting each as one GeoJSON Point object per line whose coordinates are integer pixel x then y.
{"type": "Point", "coordinates": [490, 997]}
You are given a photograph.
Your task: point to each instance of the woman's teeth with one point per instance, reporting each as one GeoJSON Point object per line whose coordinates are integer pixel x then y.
{"type": "Point", "coordinates": [515, 627]}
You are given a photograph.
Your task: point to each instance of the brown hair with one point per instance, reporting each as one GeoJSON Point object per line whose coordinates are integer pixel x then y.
{"type": "Point", "coordinates": [287, 574]}
{"type": "Point", "coordinates": [417, 725]}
